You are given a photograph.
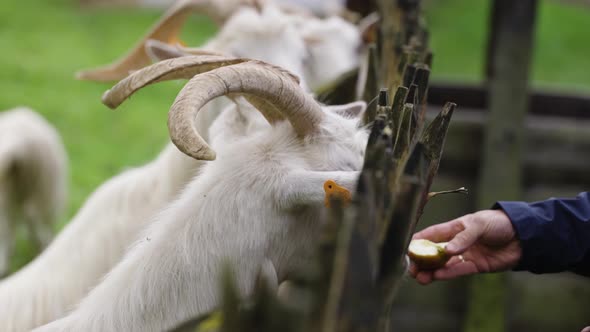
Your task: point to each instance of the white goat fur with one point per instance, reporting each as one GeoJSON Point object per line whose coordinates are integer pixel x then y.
{"type": "Point", "coordinates": [256, 206]}
{"type": "Point", "coordinates": [33, 179]}
{"type": "Point", "coordinates": [318, 7]}
{"type": "Point", "coordinates": [112, 217]}
{"type": "Point", "coordinates": [324, 48]}
{"type": "Point", "coordinates": [327, 47]}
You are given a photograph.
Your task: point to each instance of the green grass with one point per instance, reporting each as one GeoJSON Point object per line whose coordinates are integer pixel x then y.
{"type": "Point", "coordinates": [45, 42]}
{"type": "Point", "coordinates": [561, 57]}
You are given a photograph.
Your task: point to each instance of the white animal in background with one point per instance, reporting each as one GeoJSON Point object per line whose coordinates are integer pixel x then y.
{"type": "Point", "coordinates": [112, 217]}
{"type": "Point", "coordinates": [93, 241]}
{"type": "Point", "coordinates": [33, 179]}
{"type": "Point", "coordinates": [257, 205]}
{"type": "Point", "coordinates": [317, 50]}
{"type": "Point", "coordinates": [334, 48]}
{"type": "Point", "coordinates": [256, 29]}
{"type": "Point", "coordinates": [329, 47]}
{"type": "Point", "coordinates": [167, 30]}
{"type": "Point", "coordinates": [322, 8]}
{"type": "Point", "coordinates": [317, 7]}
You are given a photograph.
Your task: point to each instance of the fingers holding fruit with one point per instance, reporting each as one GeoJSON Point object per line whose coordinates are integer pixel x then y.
{"type": "Point", "coordinates": [428, 255]}
{"type": "Point", "coordinates": [481, 242]}
{"type": "Point", "coordinates": [430, 261]}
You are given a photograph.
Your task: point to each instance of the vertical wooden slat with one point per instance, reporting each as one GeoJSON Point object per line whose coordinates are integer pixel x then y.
{"type": "Point", "coordinates": [510, 49]}
{"type": "Point", "coordinates": [363, 7]}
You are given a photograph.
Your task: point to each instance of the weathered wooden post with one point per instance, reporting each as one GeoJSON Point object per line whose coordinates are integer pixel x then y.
{"type": "Point", "coordinates": [509, 59]}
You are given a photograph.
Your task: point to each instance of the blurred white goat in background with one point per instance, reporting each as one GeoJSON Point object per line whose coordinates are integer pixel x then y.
{"type": "Point", "coordinates": [33, 179]}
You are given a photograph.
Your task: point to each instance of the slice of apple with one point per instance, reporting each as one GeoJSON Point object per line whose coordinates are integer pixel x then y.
{"type": "Point", "coordinates": [428, 255]}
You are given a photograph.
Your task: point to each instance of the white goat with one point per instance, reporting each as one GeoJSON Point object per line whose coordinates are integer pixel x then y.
{"type": "Point", "coordinates": [317, 7]}
{"type": "Point", "coordinates": [110, 219]}
{"type": "Point", "coordinates": [330, 46]}
{"type": "Point", "coordinates": [257, 205]}
{"type": "Point", "coordinates": [33, 179]}
{"type": "Point", "coordinates": [323, 8]}
{"type": "Point", "coordinates": [324, 39]}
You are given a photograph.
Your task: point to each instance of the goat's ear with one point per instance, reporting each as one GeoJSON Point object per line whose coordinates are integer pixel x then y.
{"type": "Point", "coordinates": [354, 110]}
{"type": "Point", "coordinates": [158, 51]}
{"type": "Point", "coordinates": [368, 27]}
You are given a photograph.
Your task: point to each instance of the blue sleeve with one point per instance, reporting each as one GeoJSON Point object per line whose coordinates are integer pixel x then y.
{"type": "Point", "coordinates": [554, 234]}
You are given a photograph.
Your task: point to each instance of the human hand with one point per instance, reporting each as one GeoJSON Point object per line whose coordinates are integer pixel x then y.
{"type": "Point", "coordinates": [586, 329]}
{"type": "Point", "coordinates": [484, 241]}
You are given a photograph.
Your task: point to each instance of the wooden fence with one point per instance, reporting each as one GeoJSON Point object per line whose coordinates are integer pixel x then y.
{"type": "Point", "coordinates": [542, 149]}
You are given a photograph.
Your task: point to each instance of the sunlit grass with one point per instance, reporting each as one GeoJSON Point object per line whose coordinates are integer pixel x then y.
{"type": "Point", "coordinates": [459, 30]}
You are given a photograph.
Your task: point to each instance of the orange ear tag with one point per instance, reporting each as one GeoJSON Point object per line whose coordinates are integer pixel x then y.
{"type": "Point", "coordinates": [333, 190]}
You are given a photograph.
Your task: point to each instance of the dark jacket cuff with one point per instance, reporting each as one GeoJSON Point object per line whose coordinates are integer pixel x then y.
{"type": "Point", "coordinates": [527, 231]}
{"type": "Point", "coordinates": [554, 234]}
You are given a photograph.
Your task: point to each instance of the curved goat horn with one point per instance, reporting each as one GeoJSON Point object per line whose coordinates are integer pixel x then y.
{"type": "Point", "coordinates": [159, 51]}
{"type": "Point", "coordinates": [165, 30]}
{"type": "Point", "coordinates": [171, 69]}
{"type": "Point", "coordinates": [264, 85]}
{"type": "Point", "coordinates": [195, 51]}
{"type": "Point", "coordinates": [183, 68]}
